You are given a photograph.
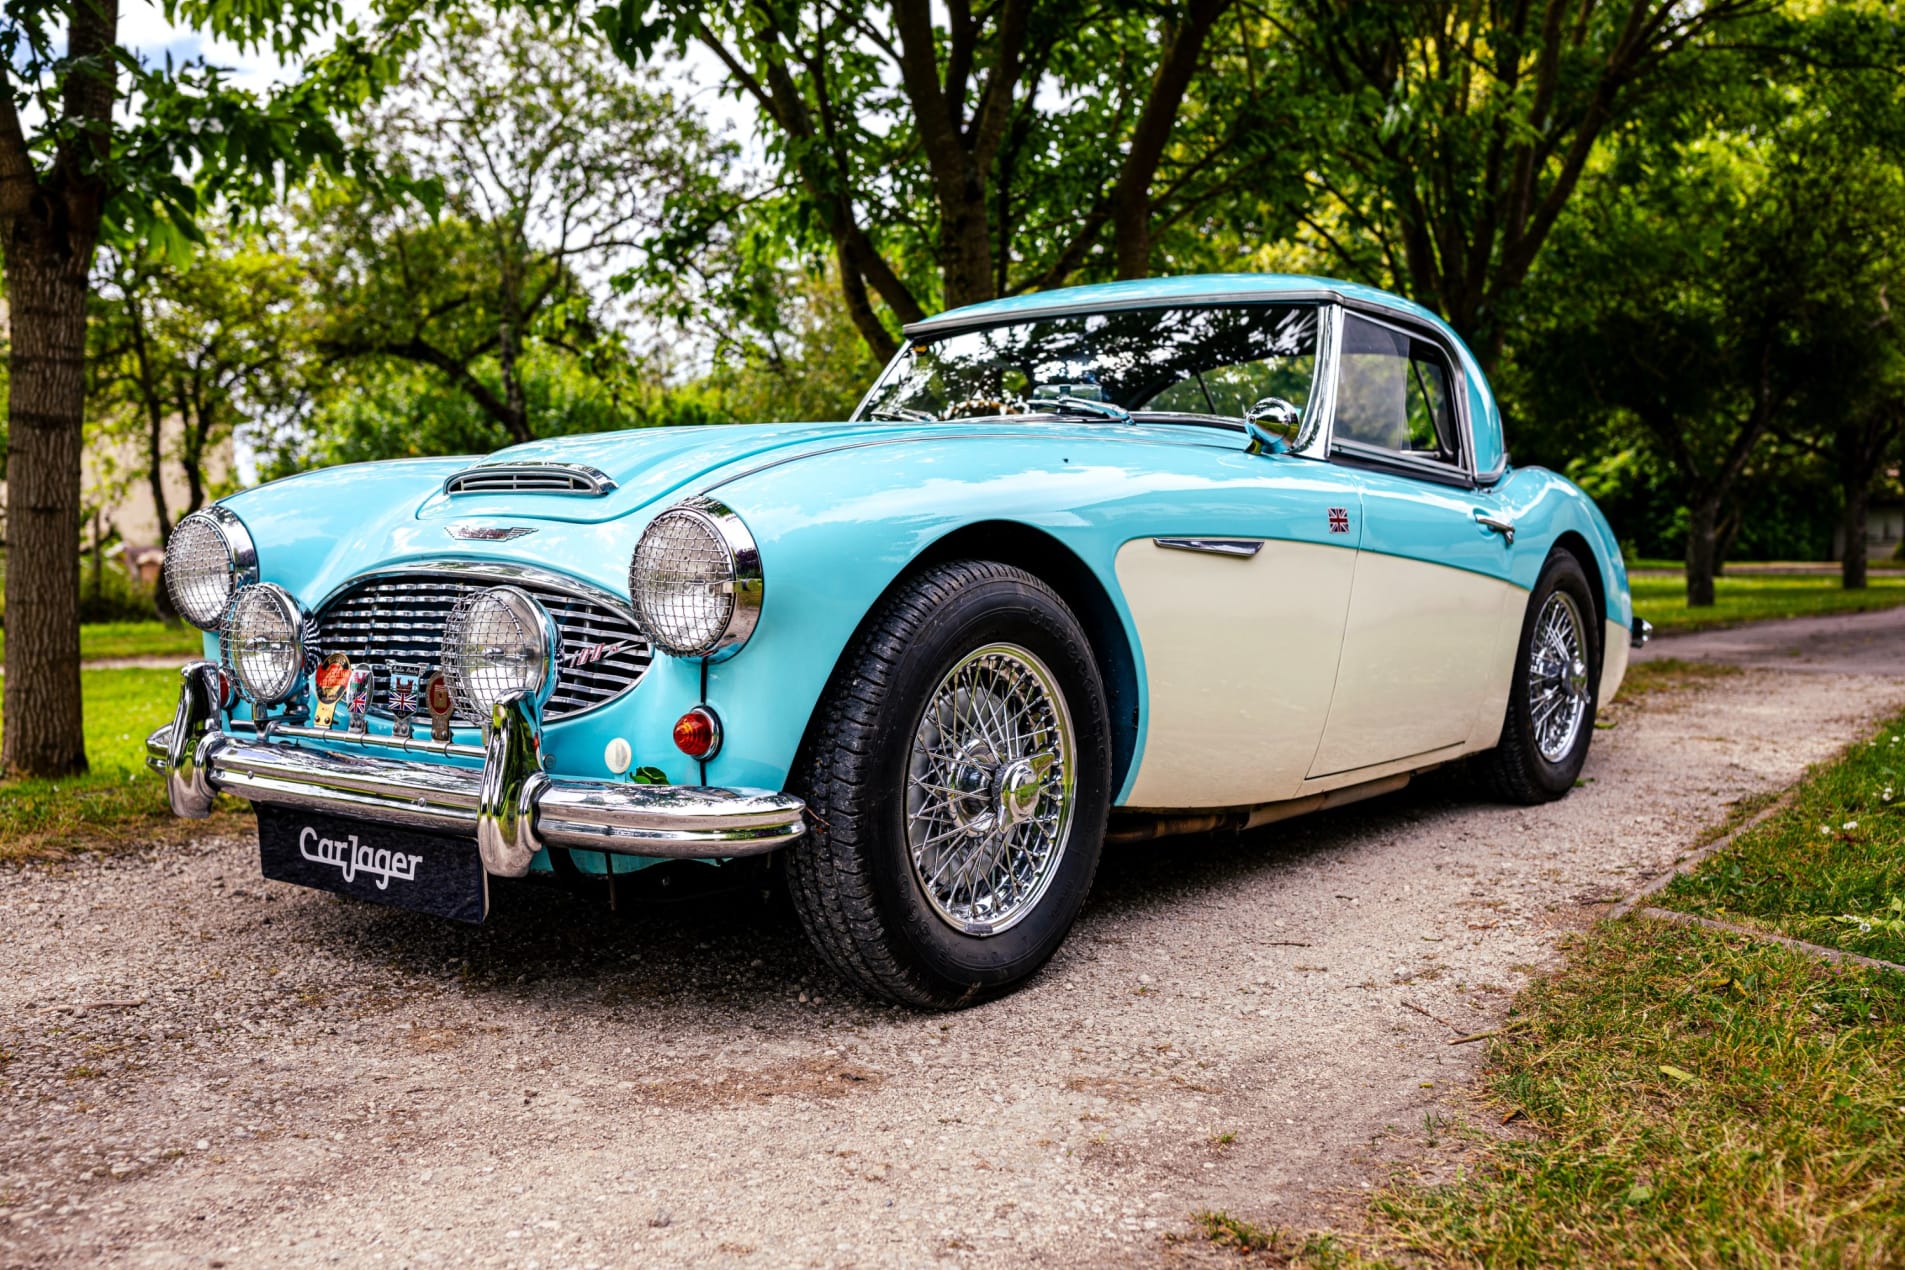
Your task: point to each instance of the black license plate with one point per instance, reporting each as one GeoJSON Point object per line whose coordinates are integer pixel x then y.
{"type": "Point", "coordinates": [379, 863]}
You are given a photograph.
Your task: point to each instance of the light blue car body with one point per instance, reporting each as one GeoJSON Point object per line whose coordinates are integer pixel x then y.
{"type": "Point", "coordinates": [841, 511]}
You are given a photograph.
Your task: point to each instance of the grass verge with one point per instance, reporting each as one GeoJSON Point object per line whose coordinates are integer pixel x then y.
{"type": "Point", "coordinates": [1830, 870]}
{"type": "Point", "coordinates": [119, 801]}
{"type": "Point", "coordinates": [99, 640]}
{"type": "Point", "coordinates": [1701, 1098]}
{"type": "Point", "coordinates": [1663, 601]}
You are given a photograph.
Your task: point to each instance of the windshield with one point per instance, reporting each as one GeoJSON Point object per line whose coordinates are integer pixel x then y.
{"type": "Point", "coordinates": [1207, 361]}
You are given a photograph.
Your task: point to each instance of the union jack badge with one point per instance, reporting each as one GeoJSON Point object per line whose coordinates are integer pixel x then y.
{"type": "Point", "coordinates": [363, 686]}
{"type": "Point", "coordinates": [333, 674]}
{"type": "Point", "coordinates": [406, 680]}
{"type": "Point", "coordinates": [1339, 520]}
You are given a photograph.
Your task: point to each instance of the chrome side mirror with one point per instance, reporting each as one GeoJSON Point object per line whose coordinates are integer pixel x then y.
{"type": "Point", "coordinates": [1273, 424]}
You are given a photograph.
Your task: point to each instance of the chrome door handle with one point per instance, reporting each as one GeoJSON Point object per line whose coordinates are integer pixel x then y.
{"type": "Point", "coordinates": [1500, 524]}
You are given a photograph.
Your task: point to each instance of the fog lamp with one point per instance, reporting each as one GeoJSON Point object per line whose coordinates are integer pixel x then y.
{"type": "Point", "coordinates": [261, 643]}
{"type": "Point", "coordinates": [497, 643]}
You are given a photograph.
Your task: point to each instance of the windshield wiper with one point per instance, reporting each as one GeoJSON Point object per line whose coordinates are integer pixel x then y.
{"type": "Point", "coordinates": [1080, 405]}
{"type": "Point", "coordinates": [902, 414]}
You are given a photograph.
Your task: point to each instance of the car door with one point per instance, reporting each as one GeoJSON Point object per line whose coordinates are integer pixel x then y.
{"type": "Point", "coordinates": [1240, 631]}
{"type": "Point", "coordinates": [1431, 596]}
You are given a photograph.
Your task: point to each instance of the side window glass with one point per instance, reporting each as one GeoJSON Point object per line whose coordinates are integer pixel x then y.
{"type": "Point", "coordinates": [1393, 393]}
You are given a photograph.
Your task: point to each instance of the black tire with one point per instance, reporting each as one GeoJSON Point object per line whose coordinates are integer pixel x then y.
{"type": "Point", "coordinates": [1516, 770]}
{"type": "Point", "coordinates": [852, 878]}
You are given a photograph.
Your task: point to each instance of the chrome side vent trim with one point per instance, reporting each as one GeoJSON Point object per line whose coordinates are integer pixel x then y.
{"type": "Point", "coordinates": [530, 478]}
{"type": "Point", "coordinates": [1241, 547]}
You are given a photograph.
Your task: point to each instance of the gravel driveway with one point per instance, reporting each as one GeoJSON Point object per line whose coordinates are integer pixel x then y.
{"type": "Point", "coordinates": [198, 1067]}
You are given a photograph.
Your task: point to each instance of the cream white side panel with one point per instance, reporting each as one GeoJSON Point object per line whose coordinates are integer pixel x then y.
{"type": "Point", "coordinates": [1617, 641]}
{"type": "Point", "coordinates": [1491, 709]}
{"type": "Point", "coordinates": [1239, 657]}
{"type": "Point", "coordinates": [1419, 653]}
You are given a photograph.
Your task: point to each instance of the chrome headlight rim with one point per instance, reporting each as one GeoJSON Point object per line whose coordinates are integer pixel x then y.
{"type": "Point", "coordinates": [298, 636]}
{"type": "Point", "coordinates": [745, 584]}
{"type": "Point", "coordinates": [241, 561]}
{"type": "Point", "coordinates": [532, 619]}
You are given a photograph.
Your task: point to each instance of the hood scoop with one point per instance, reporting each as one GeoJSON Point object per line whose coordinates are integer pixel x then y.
{"type": "Point", "coordinates": [531, 478]}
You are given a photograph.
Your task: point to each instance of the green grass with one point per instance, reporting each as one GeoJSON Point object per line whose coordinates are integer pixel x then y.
{"type": "Point", "coordinates": [140, 639]}
{"type": "Point", "coordinates": [1663, 601]}
{"type": "Point", "coordinates": [1839, 852]}
{"type": "Point", "coordinates": [134, 639]}
{"type": "Point", "coordinates": [1664, 674]}
{"type": "Point", "coordinates": [1700, 1098]}
{"type": "Point", "coordinates": [1697, 1099]}
{"type": "Point", "coordinates": [119, 800]}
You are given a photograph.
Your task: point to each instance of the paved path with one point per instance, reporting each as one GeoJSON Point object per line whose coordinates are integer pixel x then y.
{"type": "Point", "coordinates": [1854, 643]}
{"type": "Point", "coordinates": [198, 1066]}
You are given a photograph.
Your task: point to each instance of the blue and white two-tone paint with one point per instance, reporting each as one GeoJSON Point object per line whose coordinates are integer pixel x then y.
{"type": "Point", "coordinates": [1104, 563]}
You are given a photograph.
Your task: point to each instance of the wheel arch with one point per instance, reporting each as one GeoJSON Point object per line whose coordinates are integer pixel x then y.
{"type": "Point", "coordinates": [1059, 567]}
{"type": "Point", "coordinates": [1577, 546]}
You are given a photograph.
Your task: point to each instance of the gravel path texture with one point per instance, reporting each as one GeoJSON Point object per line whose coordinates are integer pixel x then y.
{"type": "Point", "coordinates": [201, 1068]}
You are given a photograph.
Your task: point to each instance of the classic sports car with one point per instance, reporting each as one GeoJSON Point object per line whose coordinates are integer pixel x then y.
{"type": "Point", "coordinates": [1107, 563]}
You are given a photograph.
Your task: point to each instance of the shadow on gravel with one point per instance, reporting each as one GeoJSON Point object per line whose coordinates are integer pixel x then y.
{"type": "Point", "coordinates": [739, 946]}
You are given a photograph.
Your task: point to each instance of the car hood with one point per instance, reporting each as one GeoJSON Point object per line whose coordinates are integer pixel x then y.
{"type": "Point", "coordinates": [646, 465]}
{"type": "Point", "coordinates": [652, 464]}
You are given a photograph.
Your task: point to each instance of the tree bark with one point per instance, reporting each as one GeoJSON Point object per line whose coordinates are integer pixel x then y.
{"type": "Point", "coordinates": [1858, 499]}
{"type": "Point", "coordinates": [48, 228]}
{"type": "Point", "coordinates": [1131, 198]}
{"type": "Point", "coordinates": [1702, 526]}
{"type": "Point", "coordinates": [46, 283]}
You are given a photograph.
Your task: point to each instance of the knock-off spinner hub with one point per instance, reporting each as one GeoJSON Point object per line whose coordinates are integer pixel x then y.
{"type": "Point", "coordinates": [1018, 784]}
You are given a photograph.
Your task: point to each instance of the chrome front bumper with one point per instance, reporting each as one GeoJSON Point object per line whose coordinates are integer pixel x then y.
{"type": "Point", "coordinates": [509, 805]}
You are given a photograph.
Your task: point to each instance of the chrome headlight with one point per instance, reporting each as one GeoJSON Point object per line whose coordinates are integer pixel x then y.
{"type": "Point", "coordinates": [695, 580]}
{"type": "Point", "coordinates": [261, 643]}
{"type": "Point", "coordinates": [208, 557]}
{"type": "Point", "coordinates": [497, 643]}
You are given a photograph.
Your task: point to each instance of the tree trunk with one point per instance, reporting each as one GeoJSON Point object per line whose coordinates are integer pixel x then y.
{"type": "Point", "coordinates": [1858, 498]}
{"type": "Point", "coordinates": [46, 281]}
{"type": "Point", "coordinates": [1724, 538]}
{"type": "Point", "coordinates": [1701, 541]}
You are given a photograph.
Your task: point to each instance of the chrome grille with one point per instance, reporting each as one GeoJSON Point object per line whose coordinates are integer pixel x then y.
{"type": "Point", "coordinates": [399, 618]}
{"type": "Point", "coordinates": [529, 478]}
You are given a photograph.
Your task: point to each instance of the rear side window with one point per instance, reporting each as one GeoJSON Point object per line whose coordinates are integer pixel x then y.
{"type": "Point", "coordinates": [1394, 395]}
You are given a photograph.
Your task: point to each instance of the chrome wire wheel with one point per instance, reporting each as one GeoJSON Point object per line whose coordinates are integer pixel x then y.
{"type": "Point", "coordinates": [989, 790]}
{"type": "Point", "coordinates": [1559, 692]}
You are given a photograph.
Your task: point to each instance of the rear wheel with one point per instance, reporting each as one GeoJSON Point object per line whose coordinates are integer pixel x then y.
{"type": "Point", "coordinates": [1551, 703]}
{"type": "Point", "coordinates": [958, 782]}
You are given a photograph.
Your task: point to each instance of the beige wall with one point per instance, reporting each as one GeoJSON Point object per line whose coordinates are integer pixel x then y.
{"type": "Point", "coordinates": [114, 479]}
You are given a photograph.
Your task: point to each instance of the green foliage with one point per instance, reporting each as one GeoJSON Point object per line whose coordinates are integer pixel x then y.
{"type": "Point", "coordinates": [1838, 854]}
{"type": "Point", "coordinates": [181, 355]}
{"type": "Point", "coordinates": [544, 159]}
{"type": "Point", "coordinates": [981, 152]}
{"type": "Point", "coordinates": [1716, 300]}
{"type": "Point", "coordinates": [190, 139]}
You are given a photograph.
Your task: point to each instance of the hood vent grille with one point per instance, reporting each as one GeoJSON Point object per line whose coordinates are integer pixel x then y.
{"type": "Point", "coordinates": [530, 478]}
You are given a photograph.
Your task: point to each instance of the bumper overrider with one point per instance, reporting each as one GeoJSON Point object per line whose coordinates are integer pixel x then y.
{"type": "Point", "coordinates": [509, 805]}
